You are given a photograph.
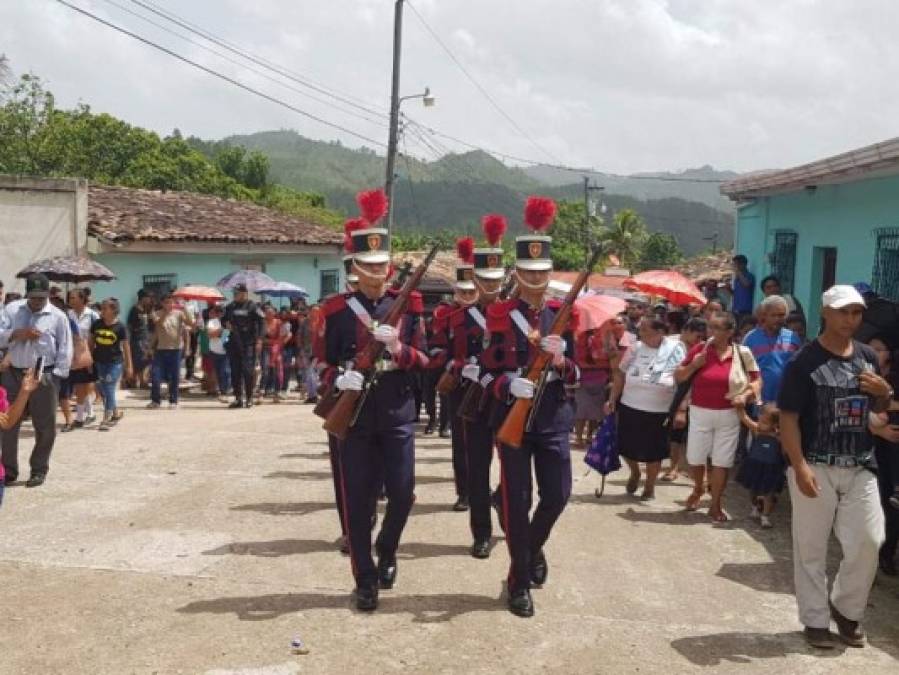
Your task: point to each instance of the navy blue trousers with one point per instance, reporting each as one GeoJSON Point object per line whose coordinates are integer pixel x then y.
{"type": "Point", "coordinates": [459, 442]}
{"type": "Point", "coordinates": [479, 454]}
{"type": "Point", "coordinates": [526, 535]}
{"type": "Point", "coordinates": [336, 476]}
{"type": "Point", "coordinates": [368, 456]}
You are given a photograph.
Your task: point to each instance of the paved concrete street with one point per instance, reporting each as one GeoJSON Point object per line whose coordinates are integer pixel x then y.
{"type": "Point", "coordinates": [201, 540]}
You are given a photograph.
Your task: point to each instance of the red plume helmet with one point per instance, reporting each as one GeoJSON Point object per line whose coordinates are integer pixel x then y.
{"type": "Point", "coordinates": [347, 242]}
{"type": "Point", "coordinates": [494, 226]}
{"type": "Point", "coordinates": [349, 227]}
{"type": "Point", "coordinates": [465, 250]}
{"type": "Point", "coordinates": [539, 213]}
{"type": "Point", "coordinates": [372, 205]}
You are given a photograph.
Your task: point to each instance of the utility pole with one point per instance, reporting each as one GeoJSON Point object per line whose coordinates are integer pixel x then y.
{"type": "Point", "coordinates": [587, 214]}
{"type": "Point", "coordinates": [394, 110]}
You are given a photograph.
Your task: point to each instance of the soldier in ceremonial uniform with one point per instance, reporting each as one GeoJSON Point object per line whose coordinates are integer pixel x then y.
{"type": "Point", "coordinates": [517, 328]}
{"type": "Point", "coordinates": [380, 445]}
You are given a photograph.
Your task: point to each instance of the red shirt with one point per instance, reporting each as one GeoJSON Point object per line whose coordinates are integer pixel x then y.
{"type": "Point", "coordinates": [710, 383]}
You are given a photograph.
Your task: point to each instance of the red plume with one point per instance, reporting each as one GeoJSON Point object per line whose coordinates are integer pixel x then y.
{"type": "Point", "coordinates": [465, 249]}
{"type": "Point", "coordinates": [539, 213]}
{"type": "Point", "coordinates": [348, 242]}
{"type": "Point", "coordinates": [494, 226]}
{"type": "Point", "coordinates": [349, 227]}
{"type": "Point", "coordinates": [372, 204]}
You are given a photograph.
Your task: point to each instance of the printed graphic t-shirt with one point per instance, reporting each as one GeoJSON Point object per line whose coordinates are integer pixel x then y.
{"type": "Point", "coordinates": [108, 341]}
{"type": "Point", "coordinates": [823, 389]}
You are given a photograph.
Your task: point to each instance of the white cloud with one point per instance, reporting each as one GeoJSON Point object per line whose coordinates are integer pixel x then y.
{"type": "Point", "coordinates": [622, 85]}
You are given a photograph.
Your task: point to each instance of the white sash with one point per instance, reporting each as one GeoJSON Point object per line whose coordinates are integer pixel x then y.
{"type": "Point", "coordinates": [479, 319]}
{"type": "Point", "coordinates": [521, 322]}
{"type": "Point", "coordinates": [360, 312]}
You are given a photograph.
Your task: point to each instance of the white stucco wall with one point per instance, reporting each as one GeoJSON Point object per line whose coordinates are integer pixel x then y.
{"type": "Point", "coordinates": [39, 218]}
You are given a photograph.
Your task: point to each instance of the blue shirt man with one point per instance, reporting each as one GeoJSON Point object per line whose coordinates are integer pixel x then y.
{"type": "Point", "coordinates": [772, 345]}
{"type": "Point", "coordinates": [32, 327]}
{"type": "Point", "coordinates": [743, 286]}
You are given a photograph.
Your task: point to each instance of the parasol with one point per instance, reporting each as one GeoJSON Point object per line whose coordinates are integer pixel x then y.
{"type": "Point", "coordinates": [671, 285]}
{"type": "Point", "coordinates": [594, 310]}
{"type": "Point", "coordinates": [72, 269]}
{"type": "Point", "coordinates": [282, 289]}
{"type": "Point", "coordinates": [252, 278]}
{"type": "Point", "coordinates": [200, 293]}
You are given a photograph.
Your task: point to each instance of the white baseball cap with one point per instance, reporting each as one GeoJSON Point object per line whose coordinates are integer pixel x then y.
{"type": "Point", "coordinates": [842, 296]}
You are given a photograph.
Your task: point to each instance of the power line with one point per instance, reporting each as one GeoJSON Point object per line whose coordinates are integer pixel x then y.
{"type": "Point", "coordinates": [221, 42]}
{"type": "Point", "coordinates": [235, 62]}
{"type": "Point", "coordinates": [219, 75]}
{"type": "Point", "coordinates": [477, 84]}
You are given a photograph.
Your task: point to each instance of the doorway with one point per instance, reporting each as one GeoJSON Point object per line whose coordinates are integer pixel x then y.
{"type": "Point", "coordinates": [824, 275]}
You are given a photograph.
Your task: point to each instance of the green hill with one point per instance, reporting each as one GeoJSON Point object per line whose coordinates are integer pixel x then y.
{"type": "Point", "coordinates": [453, 192]}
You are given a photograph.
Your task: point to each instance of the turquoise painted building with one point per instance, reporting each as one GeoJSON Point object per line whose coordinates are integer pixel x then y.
{"type": "Point", "coordinates": [835, 220]}
{"type": "Point", "coordinates": [163, 240]}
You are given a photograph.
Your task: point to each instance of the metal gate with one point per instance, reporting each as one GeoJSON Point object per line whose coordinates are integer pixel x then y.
{"type": "Point", "coordinates": [885, 275]}
{"type": "Point", "coordinates": [784, 264]}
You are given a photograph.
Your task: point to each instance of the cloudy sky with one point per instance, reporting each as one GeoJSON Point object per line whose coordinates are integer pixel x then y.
{"type": "Point", "coordinates": [619, 85]}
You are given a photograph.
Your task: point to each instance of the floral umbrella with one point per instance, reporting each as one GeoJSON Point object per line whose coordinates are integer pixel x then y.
{"type": "Point", "coordinates": [671, 285]}
{"type": "Point", "coordinates": [72, 269]}
{"type": "Point", "coordinates": [200, 293]}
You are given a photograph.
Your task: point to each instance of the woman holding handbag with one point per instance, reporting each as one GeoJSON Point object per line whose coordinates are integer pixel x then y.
{"type": "Point", "coordinates": [725, 377]}
{"type": "Point", "coordinates": [693, 332]}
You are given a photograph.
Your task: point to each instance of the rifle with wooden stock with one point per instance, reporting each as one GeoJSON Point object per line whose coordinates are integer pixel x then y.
{"type": "Point", "coordinates": [521, 415]}
{"type": "Point", "coordinates": [349, 403]}
{"type": "Point", "coordinates": [476, 396]}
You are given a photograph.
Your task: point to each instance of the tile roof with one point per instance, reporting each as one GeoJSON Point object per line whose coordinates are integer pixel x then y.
{"type": "Point", "coordinates": [119, 214]}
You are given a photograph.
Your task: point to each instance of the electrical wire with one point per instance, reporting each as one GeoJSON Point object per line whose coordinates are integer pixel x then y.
{"type": "Point", "coordinates": [221, 76]}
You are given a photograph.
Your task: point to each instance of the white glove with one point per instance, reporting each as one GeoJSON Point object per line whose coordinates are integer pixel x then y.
{"type": "Point", "coordinates": [471, 371]}
{"type": "Point", "coordinates": [351, 380]}
{"type": "Point", "coordinates": [553, 344]}
{"type": "Point", "coordinates": [389, 336]}
{"type": "Point", "coordinates": [522, 387]}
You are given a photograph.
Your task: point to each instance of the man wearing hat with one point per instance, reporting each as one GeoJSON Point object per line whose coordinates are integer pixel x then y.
{"type": "Point", "coordinates": [827, 393]}
{"type": "Point", "coordinates": [244, 319]}
{"type": "Point", "coordinates": [517, 329]}
{"type": "Point", "coordinates": [32, 329]}
{"type": "Point", "coordinates": [380, 444]}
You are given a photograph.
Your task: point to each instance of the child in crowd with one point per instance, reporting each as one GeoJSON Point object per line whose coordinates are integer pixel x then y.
{"type": "Point", "coordinates": [112, 352]}
{"type": "Point", "coordinates": [762, 472]}
{"type": "Point", "coordinates": [796, 323]}
{"type": "Point", "coordinates": [11, 413]}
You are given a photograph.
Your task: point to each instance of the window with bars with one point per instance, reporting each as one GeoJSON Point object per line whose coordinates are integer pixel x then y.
{"type": "Point", "coordinates": [160, 284]}
{"type": "Point", "coordinates": [885, 275]}
{"type": "Point", "coordinates": [784, 264]}
{"type": "Point", "coordinates": [330, 280]}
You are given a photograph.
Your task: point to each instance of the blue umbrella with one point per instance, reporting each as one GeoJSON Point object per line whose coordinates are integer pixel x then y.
{"type": "Point", "coordinates": [282, 289]}
{"type": "Point", "coordinates": [252, 278]}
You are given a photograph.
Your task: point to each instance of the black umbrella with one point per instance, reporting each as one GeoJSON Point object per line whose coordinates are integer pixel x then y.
{"type": "Point", "coordinates": [73, 269]}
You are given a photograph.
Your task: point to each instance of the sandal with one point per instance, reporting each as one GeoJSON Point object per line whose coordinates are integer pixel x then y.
{"type": "Point", "coordinates": [719, 517]}
{"type": "Point", "coordinates": [632, 483]}
{"type": "Point", "coordinates": [669, 476]}
{"type": "Point", "coordinates": [67, 427]}
{"type": "Point", "coordinates": [693, 501]}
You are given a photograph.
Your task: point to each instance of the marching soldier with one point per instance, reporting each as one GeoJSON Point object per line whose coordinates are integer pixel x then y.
{"type": "Point", "coordinates": [517, 328]}
{"type": "Point", "coordinates": [380, 445]}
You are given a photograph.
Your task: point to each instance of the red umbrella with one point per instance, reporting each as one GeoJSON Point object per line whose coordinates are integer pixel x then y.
{"type": "Point", "coordinates": [594, 310]}
{"type": "Point", "coordinates": [201, 293]}
{"type": "Point", "coordinates": [671, 285]}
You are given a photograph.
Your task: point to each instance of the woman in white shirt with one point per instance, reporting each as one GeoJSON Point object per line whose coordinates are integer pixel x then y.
{"type": "Point", "coordinates": [82, 376]}
{"type": "Point", "coordinates": [642, 392]}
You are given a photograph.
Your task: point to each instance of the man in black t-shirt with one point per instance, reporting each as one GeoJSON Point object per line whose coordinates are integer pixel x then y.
{"type": "Point", "coordinates": [243, 319]}
{"type": "Point", "coordinates": [827, 393]}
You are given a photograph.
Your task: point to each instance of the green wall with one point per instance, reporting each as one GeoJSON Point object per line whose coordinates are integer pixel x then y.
{"type": "Point", "coordinates": [840, 216]}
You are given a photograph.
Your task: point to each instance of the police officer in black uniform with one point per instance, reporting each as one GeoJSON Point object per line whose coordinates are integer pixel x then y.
{"type": "Point", "coordinates": [380, 445]}
{"type": "Point", "coordinates": [244, 319]}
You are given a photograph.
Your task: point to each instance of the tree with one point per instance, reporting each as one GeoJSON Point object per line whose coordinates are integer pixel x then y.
{"type": "Point", "coordinates": [626, 237]}
{"type": "Point", "coordinates": [573, 237]}
{"type": "Point", "coordinates": [660, 251]}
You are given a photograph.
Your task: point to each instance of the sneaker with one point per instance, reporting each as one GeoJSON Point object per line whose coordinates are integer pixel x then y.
{"type": "Point", "coordinates": [152, 405]}
{"type": "Point", "coordinates": [754, 513]}
{"type": "Point", "coordinates": [820, 638]}
{"type": "Point", "coordinates": [765, 522]}
{"type": "Point", "coordinates": [172, 406]}
{"type": "Point", "coordinates": [105, 425]}
{"type": "Point", "coordinates": [850, 631]}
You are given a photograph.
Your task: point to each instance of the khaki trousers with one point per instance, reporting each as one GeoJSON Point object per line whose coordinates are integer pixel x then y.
{"type": "Point", "coordinates": [848, 506]}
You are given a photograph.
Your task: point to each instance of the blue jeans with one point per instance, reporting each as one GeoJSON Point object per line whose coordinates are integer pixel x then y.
{"type": "Point", "coordinates": [166, 366]}
{"type": "Point", "coordinates": [272, 375]}
{"type": "Point", "coordinates": [222, 371]}
{"type": "Point", "coordinates": [108, 376]}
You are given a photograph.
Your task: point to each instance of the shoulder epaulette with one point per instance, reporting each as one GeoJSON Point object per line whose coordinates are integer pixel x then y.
{"type": "Point", "coordinates": [334, 303]}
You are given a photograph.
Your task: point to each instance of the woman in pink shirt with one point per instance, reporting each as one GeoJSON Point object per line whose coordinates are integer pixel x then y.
{"type": "Point", "coordinates": [724, 376]}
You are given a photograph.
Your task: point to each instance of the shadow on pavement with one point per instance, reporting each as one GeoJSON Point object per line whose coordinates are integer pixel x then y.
{"type": "Point", "coordinates": [285, 547]}
{"type": "Point", "coordinates": [305, 455]}
{"type": "Point", "coordinates": [667, 517]}
{"type": "Point", "coordinates": [718, 648]}
{"type": "Point", "coordinates": [423, 608]}
{"type": "Point", "coordinates": [305, 508]}
{"type": "Point", "coordinates": [326, 475]}
{"type": "Point", "coordinates": [768, 577]}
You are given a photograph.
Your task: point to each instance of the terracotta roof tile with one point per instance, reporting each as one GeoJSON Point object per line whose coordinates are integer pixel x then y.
{"type": "Point", "coordinates": [121, 214]}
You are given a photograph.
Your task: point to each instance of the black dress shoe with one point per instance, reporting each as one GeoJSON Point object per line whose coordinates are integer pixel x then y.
{"type": "Point", "coordinates": [36, 479]}
{"type": "Point", "coordinates": [366, 598]}
{"type": "Point", "coordinates": [444, 433]}
{"type": "Point", "coordinates": [461, 504]}
{"type": "Point", "coordinates": [429, 429]}
{"type": "Point", "coordinates": [248, 404]}
{"type": "Point", "coordinates": [520, 603]}
{"type": "Point", "coordinates": [236, 404]}
{"type": "Point", "coordinates": [481, 549]}
{"type": "Point", "coordinates": [888, 566]}
{"type": "Point", "coordinates": [539, 569]}
{"type": "Point", "coordinates": [10, 478]}
{"type": "Point", "coordinates": [386, 572]}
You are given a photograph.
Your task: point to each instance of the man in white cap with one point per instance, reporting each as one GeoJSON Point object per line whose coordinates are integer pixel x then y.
{"type": "Point", "coordinates": [827, 393]}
